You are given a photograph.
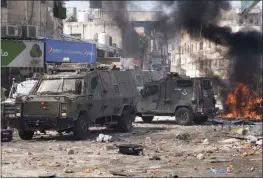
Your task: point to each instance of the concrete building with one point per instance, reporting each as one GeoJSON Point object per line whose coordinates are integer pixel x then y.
{"type": "Point", "coordinates": [91, 22]}
{"type": "Point", "coordinates": [198, 57]}
{"type": "Point", "coordinates": [27, 21]}
{"type": "Point", "coordinates": [38, 14]}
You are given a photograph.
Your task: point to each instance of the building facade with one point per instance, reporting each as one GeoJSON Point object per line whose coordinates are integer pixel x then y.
{"type": "Point", "coordinates": [201, 57]}
{"type": "Point", "coordinates": [22, 23]}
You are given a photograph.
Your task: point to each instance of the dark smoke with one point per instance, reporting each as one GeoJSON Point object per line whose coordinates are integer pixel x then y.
{"type": "Point", "coordinates": [201, 18]}
{"type": "Point", "coordinates": [130, 38]}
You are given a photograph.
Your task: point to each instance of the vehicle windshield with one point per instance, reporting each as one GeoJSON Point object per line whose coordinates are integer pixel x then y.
{"type": "Point", "coordinates": [61, 85]}
{"type": "Point", "coordinates": [24, 88]}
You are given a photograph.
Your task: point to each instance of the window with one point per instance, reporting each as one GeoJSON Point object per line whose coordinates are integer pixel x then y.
{"type": "Point", "coordinates": [201, 45]}
{"type": "Point", "coordinates": [201, 65]}
{"type": "Point", "coordinates": [182, 50]}
{"type": "Point", "coordinates": [192, 47]}
{"type": "Point", "coordinates": [209, 44]}
{"type": "Point", "coordinates": [240, 21]}
{"type": "Point", "coordinates": [207, 85]}
{"type": "Point", "coordinates": [94, 83]}
{"type": "Point", "coordinates": [150, 90]}
{"type": "Point", "coordinates": [257, 22]}
{"type": "Point", "coordinates": [196, 46]}
{"type": "Point", "coordinates": [251, 21]}
{"type": "Point", "coordinates": [184, 83]}
{"type": "Point", "coordinates": [76, 35]}
{"type": "Point", "coordinates": [3, 3]}
{"type": "Point", "coordinates": [188, 48]}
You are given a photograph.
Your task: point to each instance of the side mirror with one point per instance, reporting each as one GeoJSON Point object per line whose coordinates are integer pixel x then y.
{"type": "Point", "coordinates": [78, 86]}
{"type": "Point", "coordinates": [142, 92]}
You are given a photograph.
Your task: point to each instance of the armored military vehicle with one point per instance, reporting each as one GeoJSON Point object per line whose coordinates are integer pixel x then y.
{"type": "Point", "coordinates": [188, 99]}
{"type": "Point", "coordinates": [76, 96]}
{"type": "Point", "coordinates": [17, 89]}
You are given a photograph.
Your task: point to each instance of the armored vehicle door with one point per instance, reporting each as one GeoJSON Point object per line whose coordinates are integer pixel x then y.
{"type": "Point", "coordinates": [93, 96]}
{"type": "Point", "coordinates": [207, 99]}
{"type": "Point", "coordinates": [150, 98]}
{"type": "Point", "coordinates": [178, 92]}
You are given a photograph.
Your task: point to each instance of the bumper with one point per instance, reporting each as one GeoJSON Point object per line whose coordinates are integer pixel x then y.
{"type": "Point", "coordinates": [210, 112]}
{"type": "Point", "coordinates": [40, 123]}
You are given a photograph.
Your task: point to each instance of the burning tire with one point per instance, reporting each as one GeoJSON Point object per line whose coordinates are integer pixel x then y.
{"type": "Point", "coordinates": [147, 119]}
{"type": "Point", "coordinates": [200, 119]}
{"type": "Point", "coordinates": [81, 128]}
{"type": "Point", "coordinates": [184, 116]}
{"type": "Point", "coordinates": [26, 135]}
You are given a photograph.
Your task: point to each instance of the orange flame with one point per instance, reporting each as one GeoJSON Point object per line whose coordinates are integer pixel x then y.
{"type": "Point", "coordinates": [242, 103]}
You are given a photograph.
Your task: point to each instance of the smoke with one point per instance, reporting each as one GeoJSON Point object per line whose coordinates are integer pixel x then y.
{"type": "Point", "coordinates": [200, 19]}
{"type": "Point", "coordinates": [130, 38]}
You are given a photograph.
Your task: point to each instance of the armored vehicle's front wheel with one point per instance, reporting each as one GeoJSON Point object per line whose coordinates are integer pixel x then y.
{"type": "Point", "coordinates": [184, 116]}
{"type": "Point", "coordinates": [147, 119]}
{"type": "Point", "coordinates": [26, 135]}
{"type": "Point", "coordinates": [125, 122]}
{"type": "Point", "coordinates": [81, 128]}
{"type": "Point", "coordinates": [200, 119]}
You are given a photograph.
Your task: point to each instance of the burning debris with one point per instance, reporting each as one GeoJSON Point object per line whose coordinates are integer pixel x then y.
{"type": "Point", "coordinates": [244, 49]}
{"type": "Point", "coordinates": [243, 103]}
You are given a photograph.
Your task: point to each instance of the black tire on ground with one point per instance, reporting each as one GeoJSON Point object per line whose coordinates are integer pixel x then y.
{"type": "Point", "coordinates": [200, 119]}
{"type": "Point", "coordinates": [184, 116]}
{"type": "Point", "coordinates": [26, 135]}
{"type": "Point", "coordinates": [81, 128]}
{"type": "Point", "coordinates": [125, 121]}
{"type": "Point", "coordinates": [147, 119]}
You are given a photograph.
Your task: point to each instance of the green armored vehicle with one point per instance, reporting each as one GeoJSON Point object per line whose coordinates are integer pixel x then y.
{"type": "Point", "coordinates": [188, 99]}
{"type": "Point", "coordinates": [76, 96]}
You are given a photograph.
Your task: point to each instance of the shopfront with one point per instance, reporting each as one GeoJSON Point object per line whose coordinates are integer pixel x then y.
{"type": "Point", "coordinates": [20, 59]}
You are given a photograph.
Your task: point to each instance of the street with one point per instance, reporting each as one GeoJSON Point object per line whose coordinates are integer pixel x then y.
{"type": "Point", "coordinates": [169, 150]}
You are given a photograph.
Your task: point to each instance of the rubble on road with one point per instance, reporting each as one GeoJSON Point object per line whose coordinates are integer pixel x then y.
{"type": "Point", "coordinates": [149, 152]}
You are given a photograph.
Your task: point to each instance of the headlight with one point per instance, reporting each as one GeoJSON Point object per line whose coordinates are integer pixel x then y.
{"type": "Point", "coordinates": [63, 114]}
{"type": "Point", "coordinates": [18, 114]}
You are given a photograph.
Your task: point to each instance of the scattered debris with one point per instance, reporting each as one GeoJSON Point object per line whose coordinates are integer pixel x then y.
{"type": "Point", "coordinates": [70, 151]}
{"type": "Point", "coordinates": [252, 169]}
{"type": "Point", "coordinates": [230, 141]}
{"type": "Point", "coordinates": [148, 141]}
{"type": "Point", "coordinates": [121, 173]}
{"type": "Point", "coordinates": [68, 170]}
{"type": "Point", "coordinates": [130, 149]}
{"type": "Point", "coordinates": [213, 170]}
{"type": "Point", "coordinates": [104, 138]}
{"type": "Point", "coordinates": [219, 159]}
{"type": "Point", "coordinates": [155, 157]}
{"type": "Point", "coordinates": [205, 142]}
{"type": "Point", "coordinates": [200, 156]}
{"type": "Point", "coordinates": [47, 175]}
{"type": "Point", "coordinates": [183, 136]}
{"type": "Point", "coordinates": [111, 147]}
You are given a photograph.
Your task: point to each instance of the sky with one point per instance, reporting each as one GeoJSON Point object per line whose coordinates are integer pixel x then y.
{"type": "Point", "coordinates": [144, 5]}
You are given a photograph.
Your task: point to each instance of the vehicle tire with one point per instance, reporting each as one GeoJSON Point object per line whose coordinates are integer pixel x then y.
{"type": "Point", "coordinates": [125, 122]}
{"type": "Point", "coordinates": [147, 119]}
{"type": "Point", "coordinates": [200, 119]}
{"type": "Point", "coordinates": [26, 135]}
{"type": "Point", "coordinates": [184, 116]}
{"type": "Point", "coordinates": [81, 128]}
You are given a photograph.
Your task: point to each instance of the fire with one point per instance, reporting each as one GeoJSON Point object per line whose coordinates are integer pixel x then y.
{"type": "Point", "coordinates": [243, 103]}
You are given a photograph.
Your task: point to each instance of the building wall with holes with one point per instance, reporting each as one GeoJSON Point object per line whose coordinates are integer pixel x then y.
{"type": "Point", "coordinates": [37, 13]}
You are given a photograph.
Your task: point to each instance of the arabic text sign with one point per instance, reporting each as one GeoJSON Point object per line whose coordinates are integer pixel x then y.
{"type": "Point", "coordinates": [58, 51]}
{"type": "Point", "coordinates": [22, 53]}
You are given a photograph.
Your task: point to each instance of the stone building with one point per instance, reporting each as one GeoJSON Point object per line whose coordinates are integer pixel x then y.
{"type": "Point", "coordinates": [198, 57]}
{"type": "Point", "coordinates": [39, 14]}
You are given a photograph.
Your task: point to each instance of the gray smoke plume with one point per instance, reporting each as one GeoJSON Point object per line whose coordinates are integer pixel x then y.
{"type": "Point", "coordinates": [130, 38]}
